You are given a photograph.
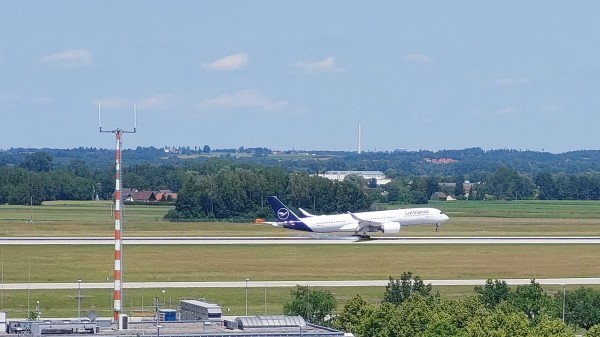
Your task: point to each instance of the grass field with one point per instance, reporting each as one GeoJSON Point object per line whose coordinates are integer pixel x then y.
{"type": "Point", "coordinates": [280, 262]}
{"type": "Point", "coordinates": [467, 218]}
{"type": "Point", "coordinates": [297, 262]}
{"type": "Point", "coordinates": [138, 302]}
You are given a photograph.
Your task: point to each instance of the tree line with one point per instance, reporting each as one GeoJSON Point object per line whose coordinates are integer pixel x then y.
{"type": "Point", "coordinates": [229, 189]}
{"type": "Point", "coordinates": [39, 178]}
{"type": "Point", "coordinates": [410, 308]}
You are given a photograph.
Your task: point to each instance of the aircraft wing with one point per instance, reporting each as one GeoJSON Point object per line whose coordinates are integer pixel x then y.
{"type": "Point", "coordinates": [274, 224]}
{"type": "Point", "coordinates": [366, 225]}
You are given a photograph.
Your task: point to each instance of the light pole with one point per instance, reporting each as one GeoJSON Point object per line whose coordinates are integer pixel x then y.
{"type": "Point", "coordinates": [247, 296]}
{"type": "Point", "coordinates": [564, 297]}
{"type": "Point", "coordinates": [78, 298]}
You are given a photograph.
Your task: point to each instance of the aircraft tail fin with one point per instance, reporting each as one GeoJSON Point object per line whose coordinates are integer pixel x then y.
{"type": "Point", "coordinates": [282, 212]}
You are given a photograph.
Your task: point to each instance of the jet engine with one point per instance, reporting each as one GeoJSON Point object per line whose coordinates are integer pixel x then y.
{"type": "Point", "coordinates": [390, 227]}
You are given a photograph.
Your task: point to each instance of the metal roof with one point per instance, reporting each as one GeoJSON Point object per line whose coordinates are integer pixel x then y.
{"type": "Point", "coordinates": [270, 321]}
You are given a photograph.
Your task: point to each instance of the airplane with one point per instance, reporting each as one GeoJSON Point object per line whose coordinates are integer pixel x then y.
{"type": "Point", "coordinates": [359, 224]}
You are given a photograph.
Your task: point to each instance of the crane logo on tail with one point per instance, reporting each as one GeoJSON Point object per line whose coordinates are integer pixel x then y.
{"type": "Point", "coordinates": [283, 214]}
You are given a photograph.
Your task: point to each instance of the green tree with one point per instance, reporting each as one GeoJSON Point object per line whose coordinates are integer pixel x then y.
{"type": "Point", "coordinates": [382, 322]}
{"type": "Point", "coordinates": [503, 321]}
{"type": "Point", "coordinates": [593, 331]}
{"type": "Point", "coordinates": [546, 186]}
{"type": "Point", "coordinates": [493, 292]}
{"type": "Point", "coordinates": [350, 195]}
{"type": "Point", "coordinates": [397, 291]}
{"type": "Point", "coordinates": [443, 329]}
{"type": "Point", "coordinates": [38, 162]}
{"type": "Point", "coordinates": [459, 191]}
{"type": "Point", "coordinates": [460, 310]}
{"type": "Point", "coordinates": [353, 313]}
{"type": "Point", "coordinates": [532, 300]}
{"type": "Point", "coordinates": [551, 327]}
{"type": "Point", "coordinates": [419, 191]}
{"type": "Point", "coordinates": [315, 305]}
{"type": "Point", "coordinates": [415, 314]}
{"type": "Point", "coordinates": [80, 168]}
{"type": "Point", "coordinates": [582, 306]}
{"type": "Point", "coordinates": [398, 190]}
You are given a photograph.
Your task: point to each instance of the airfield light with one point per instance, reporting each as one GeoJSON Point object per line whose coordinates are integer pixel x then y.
{"type": "Point", "coordinates": [563, 307]}
{"type": "Point", "coordinates": [78, 298]}
{"type": "Point", "coordinates": [247, 296]}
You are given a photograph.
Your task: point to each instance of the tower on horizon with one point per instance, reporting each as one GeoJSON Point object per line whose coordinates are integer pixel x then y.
{"type": "Point", "coordinates": [359, 138]}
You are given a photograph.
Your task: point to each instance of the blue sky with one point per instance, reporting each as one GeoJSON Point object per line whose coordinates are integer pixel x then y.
{"type": "Point", "coordinates": [302, 74]}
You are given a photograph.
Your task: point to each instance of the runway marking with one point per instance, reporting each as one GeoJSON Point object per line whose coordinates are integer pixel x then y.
{"type": "Point", "coordinates": [295, 240]}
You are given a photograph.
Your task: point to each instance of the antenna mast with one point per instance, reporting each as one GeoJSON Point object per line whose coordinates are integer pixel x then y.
{"type": "Point", "coordinates": [359, 139]}
{"type": "Point", "coordinates": [118, 273]}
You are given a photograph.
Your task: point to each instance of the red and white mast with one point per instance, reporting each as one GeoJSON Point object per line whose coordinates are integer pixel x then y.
{"type": "Point", "coordinates": [118, 273]}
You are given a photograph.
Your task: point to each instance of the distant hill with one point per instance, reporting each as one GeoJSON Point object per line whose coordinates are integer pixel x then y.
{"type": "Point", "coordinates": [444, 162]}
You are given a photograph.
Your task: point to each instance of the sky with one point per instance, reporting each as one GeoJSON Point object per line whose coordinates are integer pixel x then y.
{"type": "Point", "coordinates": [419, 75]}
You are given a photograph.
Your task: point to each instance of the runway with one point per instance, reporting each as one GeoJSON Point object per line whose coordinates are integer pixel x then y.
{"type": "Point", "coordinates": [325, 240]}
{"type": "Point", "coordinates": [283, 284]}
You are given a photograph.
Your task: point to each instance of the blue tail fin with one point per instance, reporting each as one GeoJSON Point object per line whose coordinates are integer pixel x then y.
{"type": "Point", "coordinates": [282, 212]}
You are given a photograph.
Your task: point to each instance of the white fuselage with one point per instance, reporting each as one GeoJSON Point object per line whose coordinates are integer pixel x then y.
{"type": "Point", "coordinates": [347, 223]}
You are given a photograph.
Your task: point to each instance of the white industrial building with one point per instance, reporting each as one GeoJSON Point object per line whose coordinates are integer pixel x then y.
{"type": "Point", "coordinates": [367, 175]}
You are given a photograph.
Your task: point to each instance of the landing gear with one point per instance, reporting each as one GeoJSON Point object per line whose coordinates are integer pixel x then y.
{"type": "Point", "coordinates": [437, 227]}
{"type": "Point", "coordinates": [362, 236]}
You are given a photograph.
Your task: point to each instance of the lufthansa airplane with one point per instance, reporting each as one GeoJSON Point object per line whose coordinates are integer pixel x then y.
{"type": "Point", "coordinates": [359, 224]}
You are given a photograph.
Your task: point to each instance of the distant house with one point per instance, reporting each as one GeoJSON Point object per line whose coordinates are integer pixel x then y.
{"type": "Point", "coordinates": [126, 193]}
{"type": "Point", "coordinates": [439, 196]}
{"type": "Point", "coordinates": [142, 196]}
{"type": "Point", "coordinates": [165, 195]}
{"type": "Point", "coordinates": [466, 186]}
{"type": "Point", "coordinates": [133, 195]}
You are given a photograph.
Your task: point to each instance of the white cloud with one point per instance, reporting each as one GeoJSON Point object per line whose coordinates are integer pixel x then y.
{"type": "Point", "coordinates": [503, 82]}
{"type": "Point", "coordinates": [6, 98]}
{"type": "Point", "coordinates": [113, 102]}
{"type": "Point", "coordinates": [72, 58]}
{"type": "Point", "coordinates": [325, 65]}
{"type": "Point", "coordinates": [247, 98]}
{"type": "Point", "coordinates": [507, 111]}
{"type": "Point", "coordinates": [417, 58]}
{"type": "Point", "coordinates": [228, 63]}
{"type": "Point", "coordinates": [157, 102]}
